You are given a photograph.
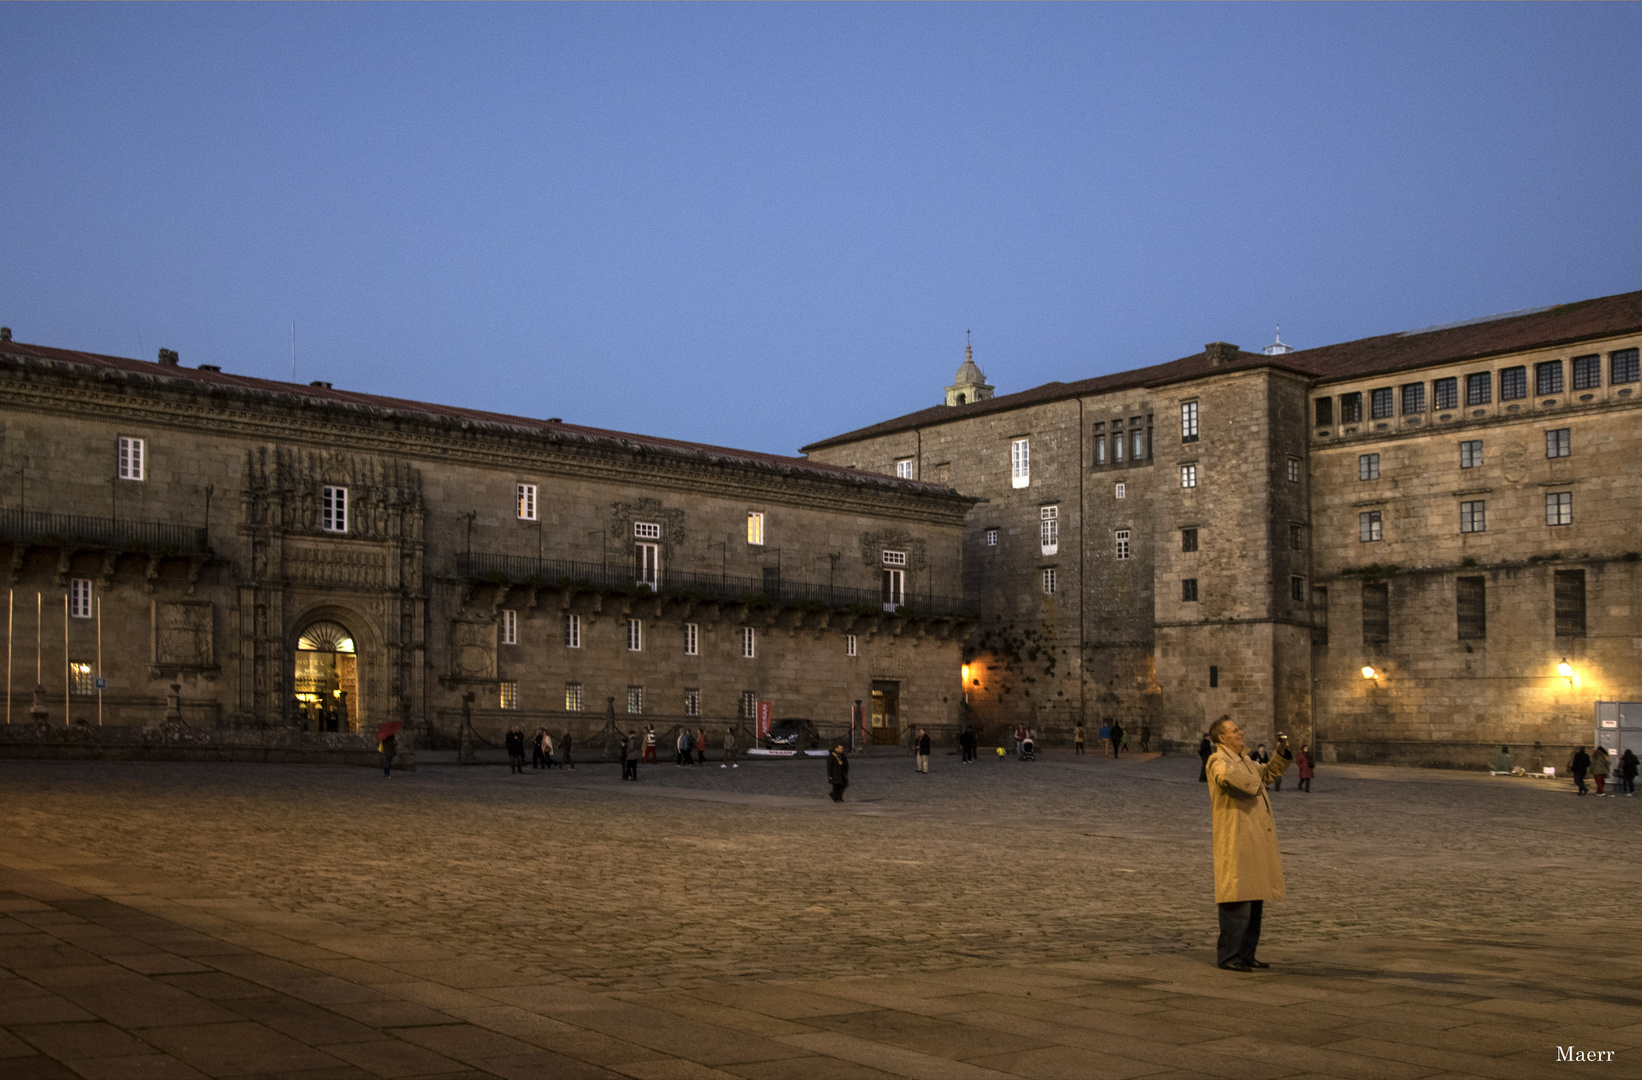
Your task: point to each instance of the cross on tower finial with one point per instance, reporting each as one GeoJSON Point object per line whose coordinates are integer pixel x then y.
{"type": "Point", "coordinates": [969, 351]}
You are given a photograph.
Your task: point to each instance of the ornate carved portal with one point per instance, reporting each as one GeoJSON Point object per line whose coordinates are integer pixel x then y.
{"type": "Point", "coordinates": [367, 577]}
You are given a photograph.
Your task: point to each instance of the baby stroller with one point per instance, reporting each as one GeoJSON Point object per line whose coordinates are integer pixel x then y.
{"type": "Point", "coordinates": [1028, 749]}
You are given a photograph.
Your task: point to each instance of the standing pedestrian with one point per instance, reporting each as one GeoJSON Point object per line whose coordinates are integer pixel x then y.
{"type": "Point", "coordinates": [1502, 760]}
{"type": "Point", "coordinates": [515, 743]}
{"type": "Point", "coordinates": [923, 751]}
{"type": "Point", "coordinates": [1077, 738]}
{"type": "Point", "coordinates": [701, 746]}
{"type": "Point", "coordinates": [730, 749]}
{"type": "Point", "coordinates": [1248, 869]}
{"type": "Point", "coordinates": [547, 750]}
{"type": "Point", "coordinates": [1579, 763]}
{"type": "Point", "coordinates": [1020, 737]}
{"type": "Point", "coordinates": [681, 747]}
{"type": "Point", "coordinates": [1106, 739]}
{"type": "Point", "coordinates": [1302, 761]}
{"type": "Point", "coordinates": [536, 749]}
{"type": "Point", "coordinates": [1627, 772]}
{"type": "Point", "coordinates": [630, 754]}
{"type": "Point", "coordinates": [1261, 756]}
{"type": "Point", "coordinates": [1115, 735]}
{"type": "Point", "coordinates": [650, 744]}
{"type": "Point", "coordinates": [389, 746]}
{"type": "Point", "coordinates": [1204, 749]}
{"type": "Point", "coordinates": [569, 763]}
{"type": "Point", "coordinates": [1599, 768]}
{"type": "Point", "coordinates": [1145, 737]}
{"type": "Point", "coordinates": [838, 772]}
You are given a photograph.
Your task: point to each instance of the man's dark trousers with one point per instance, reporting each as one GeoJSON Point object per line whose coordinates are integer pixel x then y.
{"type": "Point", "coordinates": [1239, 931]}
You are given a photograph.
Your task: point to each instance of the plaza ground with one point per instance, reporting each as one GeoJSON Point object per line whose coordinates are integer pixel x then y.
{"type": "Point", "coordinates": [1046, 919]}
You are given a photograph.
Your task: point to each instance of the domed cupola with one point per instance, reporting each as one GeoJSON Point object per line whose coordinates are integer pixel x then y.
{"type": "Point", "coordinates": [969, 384]}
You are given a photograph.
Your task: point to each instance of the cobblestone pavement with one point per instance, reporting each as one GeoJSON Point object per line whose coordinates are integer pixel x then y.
{"type": "Point", "coordinates": [1044, 919]}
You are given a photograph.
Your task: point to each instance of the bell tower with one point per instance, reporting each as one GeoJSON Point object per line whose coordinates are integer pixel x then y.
{"type": "Point", "coordinates": [969, 384]}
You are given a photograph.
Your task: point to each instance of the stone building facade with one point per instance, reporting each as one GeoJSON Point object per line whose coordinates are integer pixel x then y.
{"type": "Point", "coordinates": [1246, 533]}
{"type": "Point", "coordinates": [304, 556]}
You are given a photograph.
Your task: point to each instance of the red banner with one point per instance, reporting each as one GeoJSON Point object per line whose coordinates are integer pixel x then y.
{"type": "Point", "coordinates": [765, 709]}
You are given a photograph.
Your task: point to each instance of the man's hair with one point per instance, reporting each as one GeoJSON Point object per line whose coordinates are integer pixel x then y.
{"type": "Point", "coordinates": [1218, 727]}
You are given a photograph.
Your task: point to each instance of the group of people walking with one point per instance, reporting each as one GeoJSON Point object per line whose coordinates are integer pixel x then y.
{"type": "Point", "coordinates": [1599, 766]}
{"type": "Point", "coordinates": [545, 751]}
{"type": "Point", "coordinates": [1114, 738]}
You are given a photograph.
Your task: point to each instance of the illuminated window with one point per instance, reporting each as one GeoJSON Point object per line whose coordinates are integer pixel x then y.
{"type": "Point", "coordinates": [573, 697]}
{"type": "Point", "coordinates": [755, 527]}
{"type": "Point", "coordinates": [1471, 608]}
{"type": "Point", "coordinates": [524, 500]}
{"type": "Point", "coordinates": [1188, 476]}
{"type": "Point", "coordinates": [83, 681]}
{"type": "Point", "coordinates": [509, 695]}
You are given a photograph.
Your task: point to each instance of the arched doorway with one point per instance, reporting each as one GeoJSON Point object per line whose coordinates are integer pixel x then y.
{"type": "Point", "coordinates": [327, 679]}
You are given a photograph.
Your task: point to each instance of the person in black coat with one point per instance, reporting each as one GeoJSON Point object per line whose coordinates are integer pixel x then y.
{"type": "Point", "coordinates": [1204, 749]}
{"type": "Point", "coordinates": [1117, 737]}
{"type": "Point", "coordinates": [838, 772]}
{"type": "Point", "coordinates": [1580, 764]}
{"type": "Point", "coordinates": [515, 743]}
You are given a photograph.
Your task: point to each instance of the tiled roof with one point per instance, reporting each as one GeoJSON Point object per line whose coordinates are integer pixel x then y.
{"type": "Point", "coordinates": [375, 404]}
{"type": "Point", "coordinates": [1476, 338]}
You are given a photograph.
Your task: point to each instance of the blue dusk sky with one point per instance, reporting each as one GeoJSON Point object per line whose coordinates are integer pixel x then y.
{"type": "Point", "coordinates": [760, 225]}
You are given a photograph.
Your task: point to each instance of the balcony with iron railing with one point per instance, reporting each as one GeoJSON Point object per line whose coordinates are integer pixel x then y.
{"type": "Point", "coordinates": [686, 584]}
{"type": "Point", "coordinates": [74, 530]}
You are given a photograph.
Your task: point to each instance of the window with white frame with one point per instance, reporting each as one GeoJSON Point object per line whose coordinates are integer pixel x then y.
{"type": "Point", "coordinates": [635, 700]}
{"type": "Point", "coordinates": [692, 639]}
{"type": "Point", "coordinates": [903, 468]}
{"type": "Point", "coordinates": [1120, 491]}
{"type": "Point", "coordinates": [79, 598]}
{"type": "Point", "coordinates": [692, 703]}
{"type": "Point", "coordinates": [509, 698]}
{"type": "Point", "coordinates": [1122, 543]}
{"type": "Point", "coordinates": [647, 564]}
{"type": "Point", "coordinates": [991, 538]}
{"type": "Point", "coordinates": [1294, 470]}
{"type": "Point", "coordinates": [1049, 581]}
{"type": "Point", "coordinates": [1559, 508]}
{"type": "Point", "coordinates": [646, 530]}
{"type": "Point", "coordinates": [749, 642]}
{"type": "Point", "coordinates": [572, 631]}
{"type": "Point", "coordinates": [131, 458]}
{"type": "Point", "coordinates": [1188, 476]}
{"type": "Point", "coordinates": [524, 498]}
{"type": "Point", "coordinates": [1474, 516]}
{"type": "Point", "coordinates": [1049, 529]}
{"type": "Point", "coordinates": [572, 697]}
{"type": "Point", "coordinates": [1369, 527]}
{"type": "Point", "coordinates": [1188, 422]}
{"type": "Point", "coordinates": [755, 527]}
{"type": "Point", "coordinates": [895, 558]}
{"type": "Point", "coordinates": [510, 628]}
{"type": "Point", "coordinates": [333, 509]}
{"type": "Point", "coordinates": [849, 644]}
{"type": "Point", "coordinates": [893, 588]}
{"type": "Point", "coordinates": [1020, 462]}
{"type": "Point", "coordinates": [749, 704]}
{"type": "Point", "coordinates": [84, 681]}
{"type": "Point", "coordinates": [635, 635]}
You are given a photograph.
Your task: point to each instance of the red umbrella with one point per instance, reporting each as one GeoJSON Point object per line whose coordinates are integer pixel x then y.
{"type": "Point", "coordinates": [390, 728]}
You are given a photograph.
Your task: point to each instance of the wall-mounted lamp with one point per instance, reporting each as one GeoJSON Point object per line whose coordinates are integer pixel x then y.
{"type": "Point", "coordinates": [1566, 670]}
{"type": "Point", "coordinates": [1368, 672]}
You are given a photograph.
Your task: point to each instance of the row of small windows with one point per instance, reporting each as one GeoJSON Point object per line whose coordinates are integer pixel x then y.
{"type": "Point", "coordinates": [1623, 367]}
{"type": "Point", "coordinates": [572, 625]}
{"type": "Point", "coordinates": [1112, 446]}
{"type": "Point", "coordinates": [1558, 444]}
{"type": "Point", "coordinates": [574, 699]}
{"type": "Point", "coordinates": [1559, 510]}
{"type": "Point", "coordinates": [1470, 609]}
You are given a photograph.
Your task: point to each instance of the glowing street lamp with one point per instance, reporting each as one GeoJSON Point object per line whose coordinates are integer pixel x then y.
{"type": "Point", "coordinates": [1566, 670]}
{"type": "Point", "coordinates": [1368, 672]}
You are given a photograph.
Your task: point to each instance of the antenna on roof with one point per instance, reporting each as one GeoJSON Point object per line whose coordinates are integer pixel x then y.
{"type": "Point", "coordinates": [293, 350]}
{"type": "Point", "coordinates": [969, 351]}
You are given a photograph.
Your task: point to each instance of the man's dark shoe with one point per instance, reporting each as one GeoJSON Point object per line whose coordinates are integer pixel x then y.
{"type": "Point", "coordinates": [1235, 965]}
{"type": "Point", "coordinates": [1258, 964]}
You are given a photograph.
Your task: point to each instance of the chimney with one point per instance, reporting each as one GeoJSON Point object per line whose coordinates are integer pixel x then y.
{"type": "Point", "coordinates": [1220, 352]}
{"type": "Point", "coordinates": [320, 384]}
{"type": "Point", "coordinates": [168, 357]}
{"type": "Point", "coordinates": [5, 333]}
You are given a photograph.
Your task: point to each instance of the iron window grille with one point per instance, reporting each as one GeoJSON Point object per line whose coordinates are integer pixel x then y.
{"type": "Point", "coordinates": [1376, 613]}
{"type": "Point", "coordinates": [1471, 608]}
{"type": "Point", "coordinates": [572, 697]}
{"type": "Point", "coordinates": [1570, 603]}
{"type": "Point", "coordinates": [509, 696]}
{"type": "Point", "coordinates": [635, 700]}
{"type": "Point", "coordinates": [692, 703]}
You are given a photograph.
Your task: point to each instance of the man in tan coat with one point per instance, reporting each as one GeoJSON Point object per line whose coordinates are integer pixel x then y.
{"type": "Point", "coordinates": [1247, 867]}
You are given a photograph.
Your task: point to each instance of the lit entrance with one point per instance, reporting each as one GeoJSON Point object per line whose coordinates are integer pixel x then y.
{"type": "Point", "coordinates": [886, 713]}
{"type": "Point", "coordinates": [327, 679]}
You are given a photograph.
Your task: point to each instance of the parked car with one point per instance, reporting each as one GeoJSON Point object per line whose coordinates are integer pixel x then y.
{"type": "Point", "coordinates": [789, 733]}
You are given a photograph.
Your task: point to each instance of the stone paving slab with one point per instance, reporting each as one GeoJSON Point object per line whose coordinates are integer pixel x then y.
{"type": "Point", "coordinates": [1021, 922]}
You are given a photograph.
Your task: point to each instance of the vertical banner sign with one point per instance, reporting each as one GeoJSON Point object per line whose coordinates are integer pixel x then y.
{"type": "Point", "coordinates": [763, 721]}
